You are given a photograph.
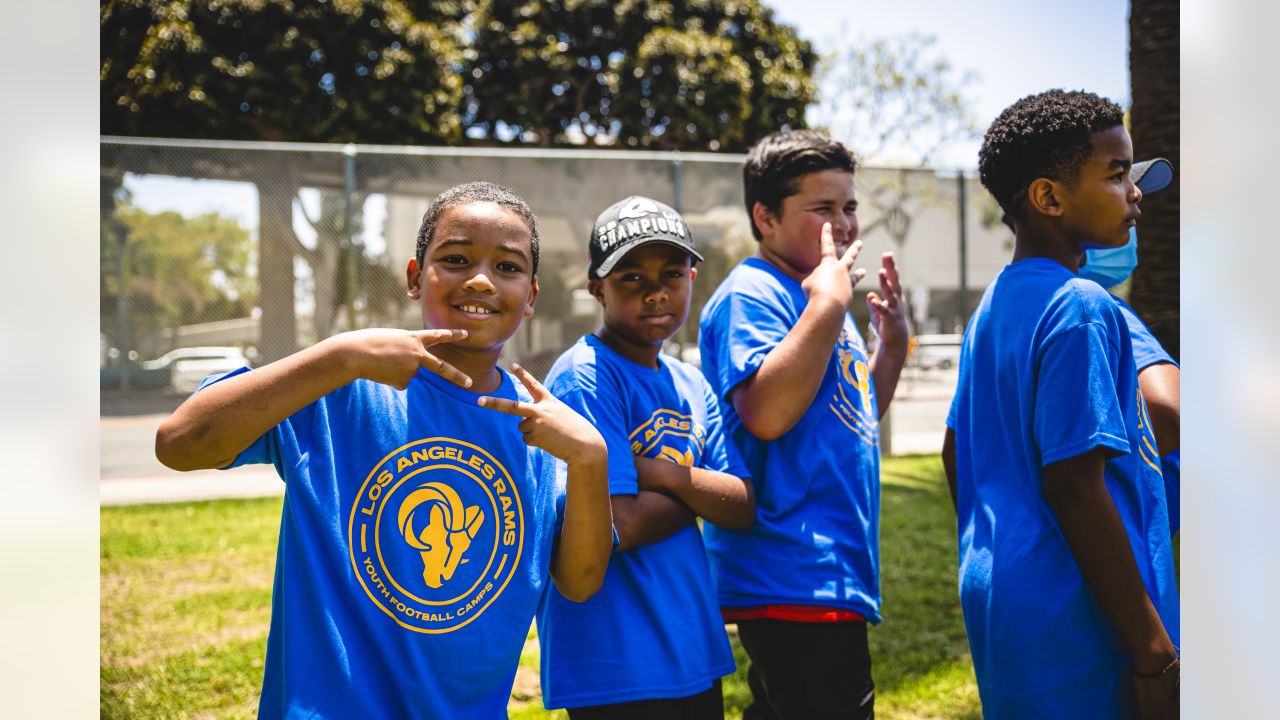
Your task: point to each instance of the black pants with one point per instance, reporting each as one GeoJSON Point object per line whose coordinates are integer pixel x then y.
{"type": "Point", "coordinates": [706, 705]}
{"type": "Point", "coordinates": [808, 671]}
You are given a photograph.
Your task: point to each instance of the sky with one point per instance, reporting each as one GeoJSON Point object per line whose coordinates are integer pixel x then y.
{"type": "Point", "coordinates": [1015, 48]}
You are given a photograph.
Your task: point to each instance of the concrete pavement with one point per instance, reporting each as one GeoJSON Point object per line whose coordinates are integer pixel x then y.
{"type": "Point", "coordinates": [129, 473]}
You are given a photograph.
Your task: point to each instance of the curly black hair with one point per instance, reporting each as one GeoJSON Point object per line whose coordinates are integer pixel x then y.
{"type": "Point", "coordinates": [776, 163]}
{"type": "Point", "coordinates": [469, 193]}
{"type": "Point", "coordinates": [1048, 135]}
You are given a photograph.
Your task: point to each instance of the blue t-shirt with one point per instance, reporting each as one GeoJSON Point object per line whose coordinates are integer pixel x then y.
{"type": "Point", "coordinates": [653, 630]}
{"type": "Point", "coordinates": [415, 542]}
{"type": "Point", "coordinates": [816, 540]}
{"type": "Point", "coordinates": [1047, 374]}
{"type": "Point", "coordinates": [1148, 351]}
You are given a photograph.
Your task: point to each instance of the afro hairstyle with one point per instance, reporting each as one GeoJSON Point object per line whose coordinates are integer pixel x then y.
{"type": "Point", "coordinates": [1048, 135]}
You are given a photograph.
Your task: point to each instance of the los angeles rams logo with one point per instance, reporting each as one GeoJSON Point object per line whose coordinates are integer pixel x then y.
{"type": "Point", "coordinates": [436, 533]}
{"type": "Point", "coordinates": [670, 435]}
{"type": "Point", "coordinates": [857, 412]}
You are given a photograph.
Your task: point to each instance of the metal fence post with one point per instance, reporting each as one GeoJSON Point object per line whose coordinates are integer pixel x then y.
{"type": "Point", "coordinates": [122, 302]}
{"type": "Point", "coordinates": [348, 230]}
{"type": "Point", "coordinates": [677, 184]}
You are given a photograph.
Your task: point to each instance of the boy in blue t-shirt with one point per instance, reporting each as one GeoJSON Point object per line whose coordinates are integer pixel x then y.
{"type": "Point", "coordinates": [802, 401]}
{"type": "Point", "coordinates": [651, 643]}
{"type": "Point", "coordinates": [418, 527]}
{"type": "Point", "coordinates": [1158, 373]}
{"type": "Point", "coordinates": [1066, 571]}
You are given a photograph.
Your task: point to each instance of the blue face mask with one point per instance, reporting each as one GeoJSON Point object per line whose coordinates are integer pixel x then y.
{"type": "Point", "coordinates": [1111, 266]}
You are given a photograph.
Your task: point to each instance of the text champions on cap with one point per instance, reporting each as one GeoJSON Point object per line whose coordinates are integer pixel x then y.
{"type": "Point", "coordinates": [619, 230]}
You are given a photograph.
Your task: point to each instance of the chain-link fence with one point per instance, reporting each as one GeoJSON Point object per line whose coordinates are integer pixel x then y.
{"type": "Point", "coordinates": [216, 250]}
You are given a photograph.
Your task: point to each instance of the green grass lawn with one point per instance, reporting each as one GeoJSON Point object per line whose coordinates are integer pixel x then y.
{"type": "Point", "coordinates": [186, 600]}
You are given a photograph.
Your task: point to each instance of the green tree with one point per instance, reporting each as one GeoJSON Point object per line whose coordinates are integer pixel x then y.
{"type": "Point", "coordinates": [708, 75]}
{"type": "Point", "coordinates": [178, 270]}
{"type": "Point", "coordinates": [369, 70]}
{"type": "Point", "coordinates": [1153, 70]}
{"type": "Point", "coordinates": [897, 100]}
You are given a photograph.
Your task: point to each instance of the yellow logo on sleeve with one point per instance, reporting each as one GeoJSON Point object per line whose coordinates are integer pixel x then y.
{"type": "Point", "coordinates": [1148, 447]}
{"type": "Point", "coordinates": [670, 435]}
{"type": "Point", "coordinates": [452, 536]}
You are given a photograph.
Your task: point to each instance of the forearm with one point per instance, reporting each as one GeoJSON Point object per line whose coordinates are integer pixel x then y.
{"type": "Point", "coordinates": [1076, 491]}
{"type": "Point", "coordinates": [1161, 392]}
{"type": "Point", "coordinates": [720, 498]}
{"type": "Point", "coordinates": [949, 466]}
{"type": "Point", "coordinates": [216, 424]}
{"type": "Point", "coordinates": [774, 399]}
{"type": "Point", "coordinates": [886, 368]}
{"type": "Point", "coordinates": [647, 517]}
{"type": "Point", "coordinates": [586, 536]}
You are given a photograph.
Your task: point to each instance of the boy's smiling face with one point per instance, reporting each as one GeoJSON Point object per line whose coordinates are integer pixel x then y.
{"type": "Point", "coordinates": [791, 238]}
{"type": "Point", "coordinates": [476, 274]}
{"type": "Point", "coordinates": [1101, 205]}
{"type": "Point", "coordinates": [646, 297]}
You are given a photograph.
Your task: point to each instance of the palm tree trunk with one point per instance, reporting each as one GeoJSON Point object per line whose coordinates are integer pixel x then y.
{"type": "Point", "coordinates": [1153, 120]}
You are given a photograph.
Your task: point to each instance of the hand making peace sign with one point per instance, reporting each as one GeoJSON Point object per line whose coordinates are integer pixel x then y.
{"type": "Point", "coordinates": [548, 423]}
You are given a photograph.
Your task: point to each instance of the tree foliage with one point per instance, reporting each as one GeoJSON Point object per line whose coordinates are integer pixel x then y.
{"type": "Point", "coordinates": [178, 270]}
{"type": "Point", "coordinates": [707, 75]}
{"type": "Point", "coordinates": [896, 95]}
{"type": "Point", "coordinates": [339, 71]}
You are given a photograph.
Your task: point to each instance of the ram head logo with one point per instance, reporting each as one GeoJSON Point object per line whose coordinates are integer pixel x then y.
{"type": "Point", "coordinates": [860, 378]}
{"type": "Point", "coordinates": [434, 521]}
{"type": "Point", "coordinates": [683, 458]}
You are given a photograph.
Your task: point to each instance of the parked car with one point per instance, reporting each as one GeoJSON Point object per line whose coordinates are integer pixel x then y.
{"type": "Point", "coordinates": [111, 377]}
{"type": "Point", "coordinates": [181, 369]}
{"type": "Point", "coordinates": [188, 366]}
{"type": "Point", "coordinates": [935, 352]}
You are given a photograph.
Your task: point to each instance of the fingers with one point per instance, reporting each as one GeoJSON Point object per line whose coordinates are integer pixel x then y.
{"type": "Point", "coordinates": [531, 383]}
{"type": "Point", "coordinates": [445, 370]}
{"type": "Point", "coordinates": [512, 407]}
{"type": "Point", "coordinates": [435, 337]}
{"type": "Point", "coordinates": [826, 243]}
{"type": "Point", "coordinates": [875, 306]}
{"type": "Point", "coordinates": [851, 253]}
{"type": "Point", "coordinates": [857, 275]}
{"type": "Point", "coordinates": [504, 405]}
{"type": "Point", "coordinates": [889, 280]}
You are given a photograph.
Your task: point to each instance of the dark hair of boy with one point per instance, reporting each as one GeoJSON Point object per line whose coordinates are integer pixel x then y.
{"type": "Point", "coordinates": [1046, 135]}
{"type": "Point", "coordinates": [475, 192]}
{"type": "Point", "coordinates": [775, 165]}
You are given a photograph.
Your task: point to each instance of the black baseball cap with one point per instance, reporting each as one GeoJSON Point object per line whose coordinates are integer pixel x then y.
{"type": "Point", "coordinates": [1151, 175]}
{"type": "Point", "coordinates": [630, 223]}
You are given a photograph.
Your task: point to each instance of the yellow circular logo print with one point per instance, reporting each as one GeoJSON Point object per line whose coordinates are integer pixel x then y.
{"type": "Point", "coordinates": [436, 533]}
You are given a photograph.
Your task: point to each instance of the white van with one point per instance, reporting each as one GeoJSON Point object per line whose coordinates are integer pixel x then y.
{"type": "Point", "coordinates": [934, 352]}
